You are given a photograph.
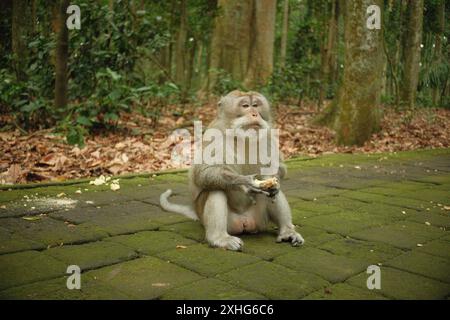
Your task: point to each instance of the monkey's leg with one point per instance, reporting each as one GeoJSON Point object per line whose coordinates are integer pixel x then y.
{"type": "Point", "coordinates": [215, 218]}
{"type": "Point", "coordinates": [280, 213]}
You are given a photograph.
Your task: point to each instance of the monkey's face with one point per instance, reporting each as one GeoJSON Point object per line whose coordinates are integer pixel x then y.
{"type": "Point", "coordinates": [250, 111]}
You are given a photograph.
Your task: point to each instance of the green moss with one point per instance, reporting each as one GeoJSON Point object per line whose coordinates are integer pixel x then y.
{"type": "Point", "coordinates": [210, 289]}
{"type": "Point", "coordinates": [29, 266]}
{"type": "Point", "coordinates": [403, 285]}
{"type": "Point", "coordinates": [331, 267]}
{"type": "Point", "coordinates": [92, 255]}
{"type": "Point", "coordinates": [342, 291]}
{"type": "Point", "coordinates": [207, 261]}
{"type": "Point", "coordinates": [151, 242]}
{"type": "Point", "coordinates": [144, 278]}
{"type": "Point", "coordinates": [274, 281]}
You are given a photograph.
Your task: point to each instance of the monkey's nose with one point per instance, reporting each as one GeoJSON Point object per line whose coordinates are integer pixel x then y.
{"type": "Point", "coordinates": [255, 115]}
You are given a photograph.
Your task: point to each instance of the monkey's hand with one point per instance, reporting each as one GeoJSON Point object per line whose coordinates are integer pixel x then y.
{"type": "Point", "coordinates": [289, 234]}
{"type": "Point", "coordinates": [269, 186]}
{"type": "Point", "coordinates": [249, 186]}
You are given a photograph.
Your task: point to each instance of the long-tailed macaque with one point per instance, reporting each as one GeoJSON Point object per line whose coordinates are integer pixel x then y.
{"type": "Point", "coordinates": [224, 196]}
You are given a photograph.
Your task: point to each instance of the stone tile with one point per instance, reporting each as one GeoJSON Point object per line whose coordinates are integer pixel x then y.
{"type": "Point", "coordinates": [378, 198]}
{"type": "Point", "coordinates": [436, 248]}
{"type": "Point", "coordinates": [403, 234]}
{"type": "Point", "coordinates": [92, 255]}
{"type": "Point", "coordinates": [120, 218]}
{"type": "Point", "coordinates": [264, 245]}
{"type": "Point", "coordinates": [189, 229]}
{"type": "Point", "coordinates": [424, 264]}
{"type": "Point", "coordinates": [274, 281]}
{"type": "Point", "coordinates": [56, 289]}
{"type": "Point", "coordinates": [435, 219]}
{"type": "Point", "coordinates": [315, 236]}
{"type": "Point", "coordinates": [207, 261]}
{"type": "Point", "coordinates": [151, 242]}
{"type": "Point", "coordinates": [210, 289]}
{"type": "Point", "coordinates": [403, 285]}
{"type": "Point", "coordinates": [331, 267]}
{"type": "Point", "coordinates": [28, 266]}
{"type": "Point", "coordinates": [11, 242]}
{"type": "Point", "coordinates": [144, 278]}
{"type": "Point", "coordinates": [345, 223]}
{"type": "Point", "coordinates": [52, 232]}
{"type": "Point", "coordinates": [342, 291]}
{"type": "Point", "coordinates": [369, 252]}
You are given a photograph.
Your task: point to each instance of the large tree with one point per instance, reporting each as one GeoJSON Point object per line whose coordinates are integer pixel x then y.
{"type": "Point", "coordinates": [411, 52]}
{"type": "Point", "coordinates": [62, 55]}
{"type": "Point", "coordinates": [243, 40]}
{"type": "Point", "coordinates": [359, 94]}
{"type": "Point", "coordinates": [21, 30]}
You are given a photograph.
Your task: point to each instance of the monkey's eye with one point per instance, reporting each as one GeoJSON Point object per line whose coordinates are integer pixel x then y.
{"type": "Point", "coordinates": [246, 105]}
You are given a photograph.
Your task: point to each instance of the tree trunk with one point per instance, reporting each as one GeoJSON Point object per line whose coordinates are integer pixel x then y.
{"type": "Point", "coordinates": [284, 33]}
{"type": "Point", "coordinates": [438, 47]}
{"type": "Point", "coordinates": [5, 27]}
{"type": "Point", "coordinates": [242, 41]}
{"type": "Point", "coordinates": [21, 30]}
{"type": "Point", "coordinates": [230, 42]}
{"type": "Point", "coordinates": [359, 95]}
{"type": "Point", "coordinates": [262, 42]}
{"type": "Point", "coordinates": [180, 63]}
{"type": "Point", "coordinates": [62, 55]}
{"type": "Point", "coordinates": [411, 53]}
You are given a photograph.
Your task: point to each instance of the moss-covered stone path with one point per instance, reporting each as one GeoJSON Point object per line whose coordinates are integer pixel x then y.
{"type": "Point", "coordinates": [390, 210]}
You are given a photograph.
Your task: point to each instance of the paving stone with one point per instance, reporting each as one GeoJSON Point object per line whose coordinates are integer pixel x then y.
{"type": "Point", "coordinates": [92, 255]}
{"type": "Point", "coordinates": [28, 266]}
{"type": "Point", "coordinates": [403, 234]}
{"type": "Point", "coordinates": [403, 285]}
{"type": "Point", "coordinates": [369, 252]}
{"type": "Point", "coordinates": [315, 236]}
{"type": "Point", "coordinates": [190, 229]}
{"type": "Point", "coordinates": [11, 242]}
{"type": "Point", "coordinates": [424, 264]}
{"type": "Point", "coordinates": [144, 278]}
{"type": "Point", "coordinates": [396, 201]}
{"type": "Point", "coordinates": [120, 218]}
{"type": "Point", "coordinates": [435, 219]}
{"type": "Point", "coordinates": [342, 202]}
{"type": "Point", "coordinates": [52, 232]}
{"type": "Point", "coordinates": [264, 245]}
{"type": "Point", "coordinates": [151, 242]}
{"type": "Point", "coordinates": [342, 291]}
{"type": "Point", "coordinates": [331, 267]}
{"type": "Point", "coordinates": [312, 191]}
{"type": "Point", "coordinates": [207, 261]}
{"type": "Point", "coordinates": [437, 248]}
{"type": "Point", "coordinates": [210, 289]}
{"type": "Point", "coordinates": [274, 281]}
{"type": "Point", "coordinates": [301, 209]}
{"type": "Point", "coordinates": [345, 223]}
{"type": "Point", "coordinates": [56, 289]}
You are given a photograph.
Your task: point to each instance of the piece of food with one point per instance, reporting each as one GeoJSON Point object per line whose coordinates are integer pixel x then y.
{"type": "Point", "coordinates": [267, 184]}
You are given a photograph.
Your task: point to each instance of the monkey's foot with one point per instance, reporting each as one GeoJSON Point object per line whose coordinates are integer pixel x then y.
{"type": "Point", "coordinates": [227, 242]}
{"type": "Point", "coordinates": [291, 235]}
{"type": "Point", "coordinates": [238, 224]}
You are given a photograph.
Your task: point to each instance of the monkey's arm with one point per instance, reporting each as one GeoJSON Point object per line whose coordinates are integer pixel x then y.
{"type": "Point", "coordinates": [220, 177]}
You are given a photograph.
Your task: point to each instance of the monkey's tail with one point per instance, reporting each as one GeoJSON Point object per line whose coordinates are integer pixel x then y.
{"type": "Point", "coordinates": [177, 208]}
